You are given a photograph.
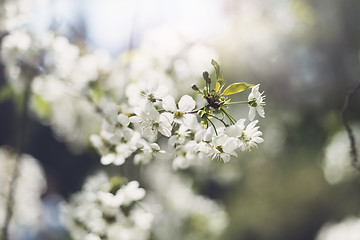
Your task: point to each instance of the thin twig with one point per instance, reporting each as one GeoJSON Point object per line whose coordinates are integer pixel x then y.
{"type": "Point", "coordinates": [353, 150]}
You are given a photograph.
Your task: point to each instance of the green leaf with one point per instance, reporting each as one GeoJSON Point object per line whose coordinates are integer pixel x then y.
{"type": "Point", "coordinates": [237, 87]}
{"type": "Point", "coordinates": [219, 78]}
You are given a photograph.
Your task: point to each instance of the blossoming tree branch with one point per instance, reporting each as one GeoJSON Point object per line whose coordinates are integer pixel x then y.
{"type": "Point", "coordinates": [195, 131]}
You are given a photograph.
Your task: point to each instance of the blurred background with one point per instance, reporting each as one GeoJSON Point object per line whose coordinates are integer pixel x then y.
{"type": "Point", "coordinates": [304, 54]}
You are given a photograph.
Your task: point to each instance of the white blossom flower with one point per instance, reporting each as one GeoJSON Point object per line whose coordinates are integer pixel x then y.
{"type": "Point", "coordinates": [223, 147]}
{"type": "Point", "coordinates": [348, 229]}
{"type": "Point", "coordinates": [142, 218]}
{"type": "Point", "coordinates": [185, 156]}
{"type": "Point", "coordinates": [252, 135]}
{"type": "Point", "coordinates": [148, 89]}
{"type": "Point", "coordinates": [131, 192]}
{"type": "Point", "coordinates": [147, 152]}
{"type": "Point", "coordinates": [249, 136]}
{"type": "Point", "coordinates": [27, 206]}
{"type": "Point", "coordinates": [111, 112]}
{"type": "Point", "coordinates": [152, 121]}
{"type": "Point", "coordinates": [97, 211]}
{"type": "Point", "coordinates": [256, 102]}
{"type": "Point", "coordinates": [92, 236]}
{"type": "Point", "coordinates": [181, 111]}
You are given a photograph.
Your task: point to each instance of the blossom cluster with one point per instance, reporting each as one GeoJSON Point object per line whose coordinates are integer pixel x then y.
{"type": "Point", "coordinates": [133, 129]}
{"type": "Point", "coordinates": [108, 209]}
{"type": "Point", "coordinates": [180, 212]}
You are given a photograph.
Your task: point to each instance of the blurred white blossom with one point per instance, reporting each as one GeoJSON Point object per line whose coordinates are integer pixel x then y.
{"type": "Point", "coordinates": [30, 184]}
{"type": "Point", "coordinates": [337, 164]}
{"type": "Point", "coordinates": [348, 229]}
{"type": "Point", "coordinates": [108, 208]}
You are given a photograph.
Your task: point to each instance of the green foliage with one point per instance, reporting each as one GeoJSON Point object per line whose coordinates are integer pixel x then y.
{"type": "Point", "coordinates": [219, 78]}
{"type": "Point", "coordinates": [236, 88]}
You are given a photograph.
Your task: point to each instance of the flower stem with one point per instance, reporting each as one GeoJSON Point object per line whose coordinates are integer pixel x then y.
{"type": "Point", "coordinates": [231, 118]}
{"type": "Point", "coordinates": [241, 102]}
{"type": "Point", "coordinates": [213, 126]}
{"type": "Point", "coordinates": [221, 120]}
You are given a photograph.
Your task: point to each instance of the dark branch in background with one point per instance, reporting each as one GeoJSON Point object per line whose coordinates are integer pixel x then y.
{"type": "Point", "coordinates": [353, 150]}
{"type": "Point", "coordinates": [23, 122]}
{"type": "Point", "coordinates": [2, 35]}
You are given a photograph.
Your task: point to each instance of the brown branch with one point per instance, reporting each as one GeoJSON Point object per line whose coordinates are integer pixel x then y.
{"type": "Point", "coordinates": [353, 150]}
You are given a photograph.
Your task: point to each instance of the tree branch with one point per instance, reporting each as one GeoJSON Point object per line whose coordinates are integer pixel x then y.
{"type": "Point", "coordinates": [353, 150]}
{"type": "Point", "coordinates": [23, 122]}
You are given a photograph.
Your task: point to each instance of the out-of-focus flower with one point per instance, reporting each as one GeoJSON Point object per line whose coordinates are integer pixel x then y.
{"type": "Point", "coordinates": [27, 207]}
{"type": "Point", "coordinates": [176, 206]}
{"type": "Point", "coordinates": [348, 229]}
{"type": "Point", "coordinates": [108, 208]}
{"type": "Point", "coordinates": [337, 164]}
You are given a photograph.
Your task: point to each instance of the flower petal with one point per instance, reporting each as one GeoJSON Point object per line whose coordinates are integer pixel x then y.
{"type": "Point", "coordinates": [260, 111]}
{"type": "Point", "coordinates": [123, 119]}
{"type": "Point", "coordinates": [190, 121]}
{"type": "Point", "coordinates": [252, 112]}
{"type": "Point", "coordinates": [168, 104]}
{"type": "Point", "coordinates": [108, 158]}
{"type": "Point", "coordinates": [186, 103]}
{"type": "Point", "coordinates": [135, 119]}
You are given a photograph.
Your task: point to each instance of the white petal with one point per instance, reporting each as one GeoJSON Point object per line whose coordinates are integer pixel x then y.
{"type": "Point", "coordinates": [110, 111]}
{"type": "Point", "coordinates": [168, 104]}
{"type": "Point", "coordinates": [233, 131]}
{"type": "Point", "coordinates": [153, 114]}
{"type": "Point", "coordinates": [260, 111]}
{"type": "Point", "coordinates": [155, 146]}
{"type": "Point", "coordinates": [233, 153]}
{"type": "Point", "coordinates": [119, 160]}
{"type": "Point", "coordinates": [108, 158]}
{"type": "Point", "coordinates": [165, 129]}
{"type": "Point", "coordinates": [225, 157]}
{"type": "Point", "coordinates": [190, 121]}
{"type": "Point", "coordinates": [230, 145]}
{"type": "Point", "coordinates": [209, 134]}
{"type": "Point", "coordinates": [241, 123]}
{"type": "Point", "coordinates": [180, 162]}
{"type": "Point", "coordinates": [123, 119]}
{"type": "Point", "coordinates": [134, 119]}
{"type": "Point", "coordinates": [252, 112]}
{"type": "Point", "coordinates": [186, 103]}
{"type": "Point", "coordinates": [166, 117]}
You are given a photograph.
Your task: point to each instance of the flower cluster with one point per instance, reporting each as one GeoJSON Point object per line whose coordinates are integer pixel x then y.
{"type": "Point", "coordinates": [132, 130]}
{"type": "Point", "coordinates": [108, 209]}
{"type": "Point", "coordinates": [180, 212]}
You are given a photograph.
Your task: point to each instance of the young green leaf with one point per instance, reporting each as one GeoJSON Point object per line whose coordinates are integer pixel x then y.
{"type": "Point", "coordinates": [237, 87]}
{"type": "Point", "coordinates": [219, 79]}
